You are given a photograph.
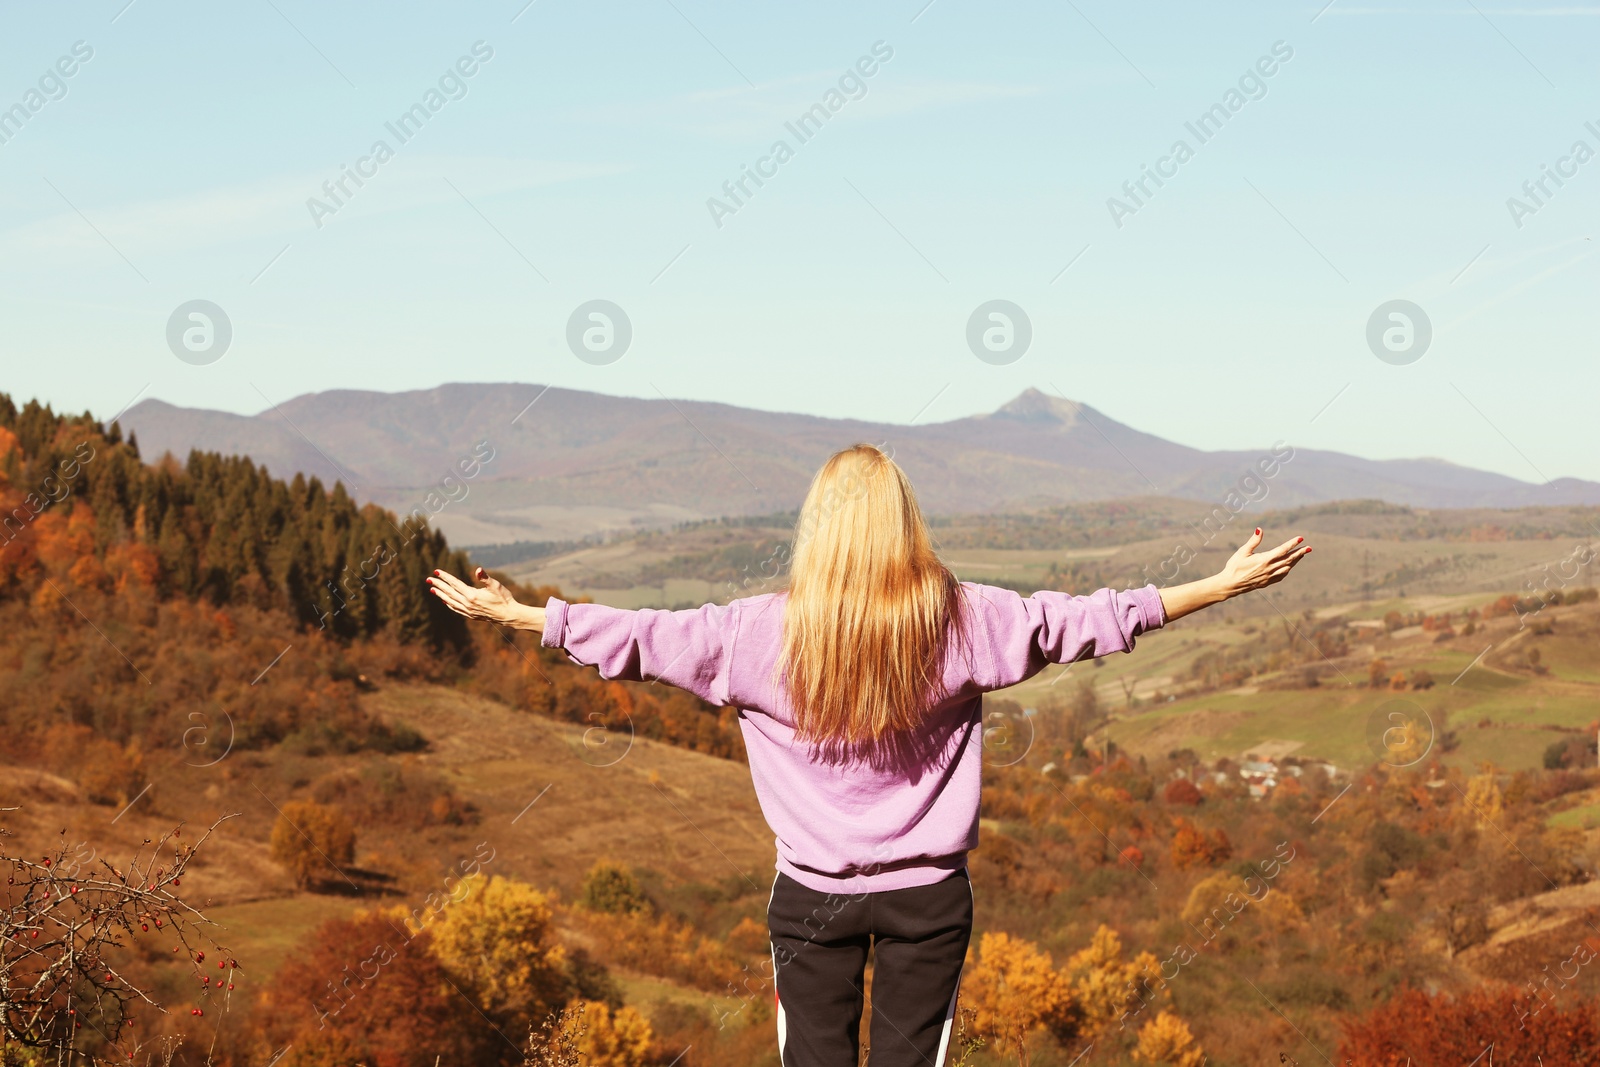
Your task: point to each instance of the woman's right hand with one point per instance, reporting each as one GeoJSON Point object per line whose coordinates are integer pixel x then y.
{"type": "Point", "coordinates": [1247, 569]}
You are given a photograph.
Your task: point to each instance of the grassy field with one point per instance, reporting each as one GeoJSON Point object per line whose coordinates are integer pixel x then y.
{"type": "Point", "coordinates": [1486, 703]}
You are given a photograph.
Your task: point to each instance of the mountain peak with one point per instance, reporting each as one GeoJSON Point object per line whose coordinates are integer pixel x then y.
{"type": "Point", "coordinates": [1034, 406]}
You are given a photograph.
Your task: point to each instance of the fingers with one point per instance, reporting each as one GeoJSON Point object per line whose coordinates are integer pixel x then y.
{"type": "Point", "coordinates": [454, 593]}
{"type": "Point", "coordinates": [1250, 545]}
{"type": "Point", "coordinates": [449, 581]}
{"type": "Point", "coordinates": [1282, 551]}
{"type": "Point", "coordinates": [446, 592]}
{"type": "Point", "coordinates": [451, 601]}
{"type": "Point", "coordinates": [1279, 571]}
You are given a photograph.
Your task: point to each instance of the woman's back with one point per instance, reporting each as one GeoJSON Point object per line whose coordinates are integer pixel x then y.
{"type": "Point", "coordinates": [899, 812]}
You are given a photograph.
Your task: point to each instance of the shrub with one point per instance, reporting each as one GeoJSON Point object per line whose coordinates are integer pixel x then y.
{"type": "Point", "coordinates": [365, 990]}
{"type": "Point", "coordinates": [1192, 847]}
{"type": "Point", "coordinates": [499, 945]}
{"type": "Point", "coordinates": [107, 772]}
{"type": "Point", "coordinates": [611, 887]}
{"type": "Point", "coordinates": [665, 947]}
{"type": "Point", "coordinates": [1166, 1040]}
{"type": "Point", "coordinates": [309, 837]}
{"type": "Point", "coordinates": [620, 1038]}
{"type": "Point", "coordinates": [1014, 989]}
{"type": "Point", "coordinates": [1441, 1031]}
{"type": "Point", "coordinates": [1182, 791]}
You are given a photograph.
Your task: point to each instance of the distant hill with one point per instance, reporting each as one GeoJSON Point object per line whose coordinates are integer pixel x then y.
{"type": "Point", "coordinates": [576, 463]}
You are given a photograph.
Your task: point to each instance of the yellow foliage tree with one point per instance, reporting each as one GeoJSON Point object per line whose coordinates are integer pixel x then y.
{"type": "Point", "coordinates": [312, 841]}
{"type": "Point", "coordinates": [496, 938]}
{"type": "Point", "coordinates": [1483, 796]}
{"type": "Point", "coordinates": [1166, 1040]}
{"type": "Point", "coordinates": [1013, 988]}
{"type": "Point", "coordinates": [614, 1039]}
{"type": "Point", "coordinates": [1216, 903]}
{"type": "Point", "coordinates": [1104, 984]}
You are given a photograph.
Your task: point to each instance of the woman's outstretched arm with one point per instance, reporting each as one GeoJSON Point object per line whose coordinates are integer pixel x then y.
{"type": "Point", "coordinates": [1245, 570]}
{"type": "Point", "coordinates": [491, 601]}
{"type": "Point", "coordinates": [687, 649]}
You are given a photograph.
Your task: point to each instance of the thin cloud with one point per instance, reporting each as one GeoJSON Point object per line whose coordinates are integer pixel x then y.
{"type": "Point", "coordinates": [277, 206]}
{"type": "Point", "coordinates": [741, 113]}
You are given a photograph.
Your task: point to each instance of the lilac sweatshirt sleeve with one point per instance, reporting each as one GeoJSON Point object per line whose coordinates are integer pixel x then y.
{"type": "Point", "coordinates": [687, 649]}
{"type": "Point", "coordinates": [1013, 637]}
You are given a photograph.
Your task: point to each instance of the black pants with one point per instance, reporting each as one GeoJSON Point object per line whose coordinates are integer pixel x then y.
{"type": "Point", "coordinates": [819, 953]}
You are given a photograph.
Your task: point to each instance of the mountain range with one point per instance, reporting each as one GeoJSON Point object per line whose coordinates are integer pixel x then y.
{"type": "Point", "coordinates": [500, 462]}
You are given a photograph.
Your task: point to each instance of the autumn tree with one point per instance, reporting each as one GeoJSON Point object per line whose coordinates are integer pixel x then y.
{"type": "Point", "coordinates": [611, 887]}
{"type": "Point", "coordinates": [1440, 1031]}
{"type": "Point", "coordinates": [312, 841]}
{"type": "Point", "coordinates": [498, 943]}
{"type": "Point", "coordinates": [1193, 847]}
{"type": "Point", "coordinates": [620, 1038]}
{"type": "Point", "coordinates": [1218, 900]}
{"type": "Point", "coordinates": [1166, 1040]}
{"type": "Point", "coordinates": [366, 990]}
{"type": "Point", "coordinates": [1014, 990]}
{"type": "Point", "coordinates": [1182, 791]}
{"type": "Point", "coordinates": [1107, 987]}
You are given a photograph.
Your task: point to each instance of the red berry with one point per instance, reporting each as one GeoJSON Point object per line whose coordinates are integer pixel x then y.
{"type": "Point", "coordinates": [200, 958]}
{"type": "Point", "coordinates": [144, 926]}
{"type": "Point", "coordinates": [230, 985]}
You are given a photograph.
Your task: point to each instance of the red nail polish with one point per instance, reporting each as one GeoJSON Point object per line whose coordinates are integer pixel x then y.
{"type": "Point", "coordinates": [1258, 529]}
{"type": "Point", "coordinates": [1297, 540]}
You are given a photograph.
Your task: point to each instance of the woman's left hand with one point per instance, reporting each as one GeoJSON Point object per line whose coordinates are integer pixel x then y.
{"type": "Point", "coordinates": [488, 600]}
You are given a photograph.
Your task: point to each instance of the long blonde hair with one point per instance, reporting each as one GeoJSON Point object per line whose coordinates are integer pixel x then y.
{"type": "Point", "coordinates": [871, 608]}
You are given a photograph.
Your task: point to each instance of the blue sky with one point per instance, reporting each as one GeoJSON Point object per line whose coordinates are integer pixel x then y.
{"type": "Point", "coordinates": [975, 163]}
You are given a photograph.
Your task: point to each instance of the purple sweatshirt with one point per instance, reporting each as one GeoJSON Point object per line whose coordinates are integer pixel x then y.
{"type": "Point", "coordinates": [856, 826]}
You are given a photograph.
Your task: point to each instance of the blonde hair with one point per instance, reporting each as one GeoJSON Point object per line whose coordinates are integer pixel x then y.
{"type": "Point", "coordinates": [871, 607]}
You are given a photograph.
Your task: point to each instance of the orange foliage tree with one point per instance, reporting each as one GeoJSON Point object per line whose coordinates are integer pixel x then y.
{"type": "Point", "coordinates": [1193, 847]}
{"type": "Point", "coordinates": [365, 990]}
{"type": "Point", "coordinates": [1441, 1031]}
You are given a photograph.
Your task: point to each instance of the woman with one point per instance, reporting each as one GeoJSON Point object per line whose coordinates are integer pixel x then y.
{"type": "Point", "coordinates": [859, 692]}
